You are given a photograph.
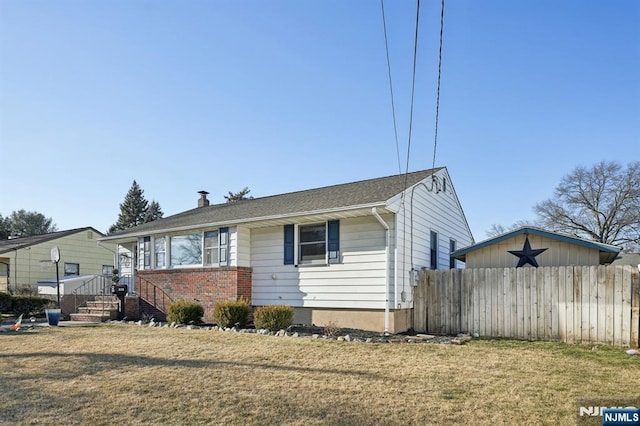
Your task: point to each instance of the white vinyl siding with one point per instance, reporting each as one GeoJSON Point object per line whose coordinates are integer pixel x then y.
{"type": "Point", "coordinates": [435, 211]}
{"type": "Point", "coordinates": [240, 246]}
{"type": "Point", "coordinates": [357, 282]}
{"type": "Point", "coordinates": [81, 248]}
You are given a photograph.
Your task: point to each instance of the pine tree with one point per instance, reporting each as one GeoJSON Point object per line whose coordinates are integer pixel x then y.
{"type": "Point", "coordinates": [136, 210]}
{"type": "Point", "coordinates": [154, 212]}
{"type": "Point", "coordinates": [239, 196]}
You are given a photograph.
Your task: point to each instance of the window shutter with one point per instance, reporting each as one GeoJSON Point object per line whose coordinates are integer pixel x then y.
{"type": "Point", "coordinates": [224, 247]}
{"type": "Point", "coordinates": [333, 240]}
{"type": "Point", "coordinates": [289, 243]}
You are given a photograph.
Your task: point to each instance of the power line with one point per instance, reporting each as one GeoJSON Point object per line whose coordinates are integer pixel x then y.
{"type": "Point", "coordinates": [393, 108]}
{"type": "Point", "coordinates": [435, 136]}
{"type": "Point", "coordinates": [413, 86]}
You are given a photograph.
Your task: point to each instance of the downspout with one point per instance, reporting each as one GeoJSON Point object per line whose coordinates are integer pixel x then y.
{"type": "Point", "coordinates": [374, 210]}
{"type": "Point", "coordinates": [15, 271]}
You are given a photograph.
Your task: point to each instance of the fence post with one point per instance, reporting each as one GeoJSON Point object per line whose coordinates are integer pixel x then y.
{"type": "Point", "coordinates": [634, 341]}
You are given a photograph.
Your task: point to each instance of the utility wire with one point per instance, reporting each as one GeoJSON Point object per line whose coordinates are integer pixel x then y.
{"type": "Point", "coordinates": [413, 86]}
{"type": "Point", "coordinates": [435, 137]}
{"type": "Point", "coordinates": [393, 107]}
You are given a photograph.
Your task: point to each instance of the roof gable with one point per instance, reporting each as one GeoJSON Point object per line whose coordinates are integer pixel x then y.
{"type": "Point", "coordinates": [370, 192]}
{"type": "Point", "coordinates": [608, 252]}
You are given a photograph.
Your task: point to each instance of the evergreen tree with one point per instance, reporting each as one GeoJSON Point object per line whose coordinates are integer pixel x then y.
{"type": "Point", "coordinates": [154, 212]}
{"type": "Point", "coordinates": [238, 196]}
{"type": "Point", "coordinates": [22, 223]}
{"type": "Point", "coordinates": [135, 210]}
{"type": "Point", "coordinates": [4, 228]}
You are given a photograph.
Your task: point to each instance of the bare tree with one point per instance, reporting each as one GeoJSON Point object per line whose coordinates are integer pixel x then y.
{"type": "Point", "coordinates": [601, 204]}
{"type": "Point", "coordinates": [498, 229]}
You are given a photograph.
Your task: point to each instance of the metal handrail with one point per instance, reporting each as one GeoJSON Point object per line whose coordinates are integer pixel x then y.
{"type": "Point", "coordinates": [100, 285]}
{"type": "Point", "coordinates": [153, 294]}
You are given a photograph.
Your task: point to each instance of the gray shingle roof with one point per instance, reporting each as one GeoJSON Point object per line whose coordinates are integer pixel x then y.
{"type": "Point", "coordinates": [365, 192]}
{"type": "Point", "coordinates": [20, 243]}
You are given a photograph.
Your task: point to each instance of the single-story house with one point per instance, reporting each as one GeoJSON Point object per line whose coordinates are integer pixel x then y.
{"type": "Point", "coordinates": [347, 254]}
{"type": "Point", "coordinates": [25, 261]}
{"type": "Point", "coordinates": [532, 246]}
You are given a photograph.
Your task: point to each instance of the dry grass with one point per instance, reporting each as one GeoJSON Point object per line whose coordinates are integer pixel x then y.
{"type": "Point", "coordinates": [120, 374]}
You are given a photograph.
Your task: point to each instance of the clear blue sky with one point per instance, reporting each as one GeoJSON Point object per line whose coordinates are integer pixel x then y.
{"type": "Point", "coordinates": [289, 95]}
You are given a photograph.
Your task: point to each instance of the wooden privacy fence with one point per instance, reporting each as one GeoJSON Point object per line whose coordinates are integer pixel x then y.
{"type": "Point", "coordinates": [572, 304]}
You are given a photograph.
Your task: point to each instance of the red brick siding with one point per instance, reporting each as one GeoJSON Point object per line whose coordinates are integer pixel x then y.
{"type": "Point", "coordinates": [207, 285]}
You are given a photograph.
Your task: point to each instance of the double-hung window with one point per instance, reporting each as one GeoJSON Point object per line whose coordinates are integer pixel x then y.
{"type": "Point", "coordinates": [317, 243]}
{"type": "Point", "coordinates": [312, 243]}
{"type": "Point", "coordinates": [107, 269]}
{"type": "Point", "coordinates": [434, 250]}
{"type": "Point", "coordinates": [216, 247]}
{"type": "Point", "coordinates": [144, 255]}
{"type": "Point", "coordinates": [211, 247]}
{"type": "Point", "coordinates": [452, 248]}
{"type": "Point", "coordinates": [160, 251]}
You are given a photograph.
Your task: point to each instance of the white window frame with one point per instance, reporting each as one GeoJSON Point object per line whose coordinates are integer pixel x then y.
{"type": "Point", "coordinates": [156, 252]}
{"type": "Point", "coordinates": [77, 274]}
{"type": "Point", "coordinates": [298, 244]}
{"type": "Point", "coordinates": [215, 247]}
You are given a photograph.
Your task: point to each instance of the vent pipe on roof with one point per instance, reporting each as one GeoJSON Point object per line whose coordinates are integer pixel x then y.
{"type": "Point", "coordinates": [202, 201]}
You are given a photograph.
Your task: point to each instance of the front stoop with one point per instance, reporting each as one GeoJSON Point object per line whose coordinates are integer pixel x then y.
{"type": "Point", "coordinates": [102, 309]}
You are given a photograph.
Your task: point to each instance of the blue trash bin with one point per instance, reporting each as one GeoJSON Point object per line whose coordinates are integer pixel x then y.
{"type": "Point", "coordinates": [53, 316]}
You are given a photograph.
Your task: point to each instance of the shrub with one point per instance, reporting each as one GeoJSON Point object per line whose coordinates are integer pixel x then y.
{"type": "Point", "coordinates": [231, 312]}
{"type": "Point", "coordinates": [185, 312]}
{"type": "Point", "coordinates": [26, 305]}
{"type": "Point", "coordinates": [5, 302]}
{"type": "Point", "coordinates": [273, 317]}
{"type": "Point", "coordinates": [331, 329]}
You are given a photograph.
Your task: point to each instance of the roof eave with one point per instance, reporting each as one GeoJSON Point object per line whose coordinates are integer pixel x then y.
{"type": "Point", "coordinates": [132, 235]}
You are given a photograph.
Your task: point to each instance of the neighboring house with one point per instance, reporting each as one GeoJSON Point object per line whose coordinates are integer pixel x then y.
{"type": "Point", "coordinates": [27, 260]}
{"type": "Point", "coordinates": [628, 259]}
{"type": "Point", "coordinates": [531, 246]}
{"type": "Point", "coordinates": [347, 254]}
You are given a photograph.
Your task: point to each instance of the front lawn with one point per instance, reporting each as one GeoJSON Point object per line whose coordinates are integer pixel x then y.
{"type": "Point", "coordinates": [126, 374]}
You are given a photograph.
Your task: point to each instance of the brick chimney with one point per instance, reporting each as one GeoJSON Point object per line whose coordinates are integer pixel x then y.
{"type": "Point", "coordinates": [203, 202]}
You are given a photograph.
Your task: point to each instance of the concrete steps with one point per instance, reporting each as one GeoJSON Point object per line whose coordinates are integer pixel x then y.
{"type": "Point", "coordinates": [102, 309]}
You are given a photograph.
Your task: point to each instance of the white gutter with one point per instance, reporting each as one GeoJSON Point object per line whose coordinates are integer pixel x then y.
{"type": "Point", "coordinates": [244, 221]}
{"type": "Point", "coordinates": [374, 210]}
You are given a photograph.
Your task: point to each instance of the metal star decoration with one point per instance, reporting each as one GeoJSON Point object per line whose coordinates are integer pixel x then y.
{"type": "Point", "coordinates": [527, 254]}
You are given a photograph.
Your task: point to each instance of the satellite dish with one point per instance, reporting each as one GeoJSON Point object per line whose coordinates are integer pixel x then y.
{"type": "Point", "coordinates": [55, 254]}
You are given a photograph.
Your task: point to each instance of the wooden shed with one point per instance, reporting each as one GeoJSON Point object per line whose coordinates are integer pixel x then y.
{"type": "Point", "coordinates": [532, 246]}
